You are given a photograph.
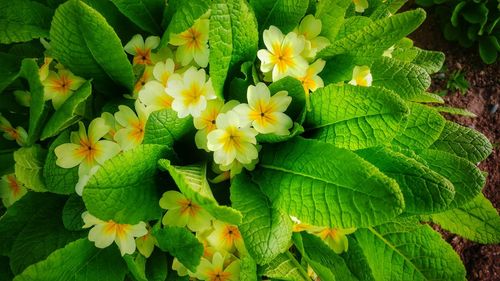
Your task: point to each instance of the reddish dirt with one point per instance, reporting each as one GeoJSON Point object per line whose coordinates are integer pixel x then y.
{"type": "Point", "coordinates": [481, 261]}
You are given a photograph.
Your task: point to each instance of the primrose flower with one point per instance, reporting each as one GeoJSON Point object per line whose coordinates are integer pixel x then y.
{"type": "Point", "coordinates": [360, 5]}
{"type": "Point", "coordinates": [266, 113]}
{"type": "Point", "coordinates": [311, 81]}
{"type": "Point", "coordinates": [103, 233]}
{"type": "Point", "coordinates": [11, 189]}
{"type": "Point", "coordinates": [283, 54]}
{"type": "Point", "coordinates": [18, 134]}
{"type": "Point", "coordinates": [146, 244]}
{"type": "Point", "coordinates": [142, 50]}
{"type": "Point", "coordinates": [216, 271]}
{"type": "Point", "coordinates": [192, 43]}
{"type": "Point", "coordinates": [229, 171]}
{"type": "Point", "coordinates": [182, 211]}
{"type": "Point", "coordinates": [146, 76]}
{"type": "Point", "coordinates": [310, 28]}
{"type": "Point", "coordinates": [361, 76]}
{"type": "Point", "coordinates": [190, 92]}
{"type": "Point", "coordinates": [226, 237]}
{"type": "Point", "coordinates": [153, 93]}
{"type": "Point", "coordinates": [58, 87]}
{"type": "Point", "coordinates": [87, 150]}
{"type": "Point", "coordinates": [233, 139]}
{"type": "Point", "coordinates": [335, 238]}
{"type": "Point", "coordinates": [43, 72]}
{"type": "Point", "coordinates": [133, 125]}
{"type": "Point", "coordinates": [205, 123]}
{"type": "Point", "coordinates": [388, 52]}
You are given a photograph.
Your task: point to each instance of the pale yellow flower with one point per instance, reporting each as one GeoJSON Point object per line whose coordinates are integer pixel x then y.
{"type": "Point", "coordinates": [140, 49]}
{"type": "Point", "coordinates": [215, 270]}
{"type": "Point", "coordinates": [146, 244]}
{"type": "Point", "coordinates": [205, 123]}
{"type": "Point", "coordinates": [18, 134]}
{"type": "Point", "coordinates": [335, 238]}
{"type": "Point", "coordinates": [146, 76]}
{"type": "Point", "coordinates": [311, 81]}
{"type": "Point", "coordinates": [226, 237]}
{"type": "Point", "coordinates": [192, 43]}
{"type": "Point", "coordinates": [361, 76]}
{"type": "Point", "coordinates": [182, 211]}
{"type": "Point", "coordinates": [310, 28]}
{"type": "Point", "coordinates": [59, 86]}
{"type": "Point", "coordinates": [153, 93]}
{"type": "Point", "coordinates": [133, 125]}
{"type": "Point", "coordinates": [360, 5]}
{"type": "Point", "coordinates": [11, 189]}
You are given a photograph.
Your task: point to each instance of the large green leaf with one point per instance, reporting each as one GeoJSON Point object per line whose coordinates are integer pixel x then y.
{"type": "Point", "coordinates": [285, 267]}
{"type": "Point", "coordinates": [355, 117]}
{"type": "Point", "coordinates": [72, 213]}
{"type": "Point", "coordinates": [9, 70]}
{"type": "Point", "coordinates": [23, 20]}
{"type": "Point", "coordinates": [248, 269]}
{"type": "Point", "coordinates": [295, 90]}
{"type": "Point", "coordinates": [355, 259]}
{"type": "Point", "coordinates": [424, 190]}
{"type": "Point", "coordinates": [164, 128]}
{"type": "Point", "coordinates": [69, 113]}
{"type": "Point", "coordinates": [431, 61]}
{"type": "Point", "coordinates": [140, 13]}
{"type": "Point", "coordinates": [83, 41]}
{"type": "Point", "coordinates": [180, 243]}
{"type": "Point", "coordinates": [326, 186]}
{"type": "Point", "coordinates": [29, 165]}
{"type": "Point", "coordinates": [267, 232]}
{"type": "Point", "coordinates": [331, 13]}
{"type": "Point", "coordinates": [466, 178]}
{"type": "Point", "coordinates": [464, 142]}
{"type": "Point", "coordinates": [233, 39]}
{"type": "Point", "coordinates": [404, 78]}
{"type": "Point", "coordinates": [193, 183]}
{"type": "Point", "coordinates": [78, 261]}
{"type": "Point", "coordinates": [124, 188]}
{"type": "Point", "coordinates": [284, 14]}
{"type": "Point", "coordinates": [423, 127]}
{"type": "Point", "coordinates": [477, 220]}
{"type": "Point", "coordinates": [409, 252]}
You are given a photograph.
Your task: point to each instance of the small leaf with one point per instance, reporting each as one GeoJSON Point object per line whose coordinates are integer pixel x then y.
{"type": "Point", "coordinates": [29, 165]}
{"type": "Point", "coordinates": [164, 128]}
{"type": "Point", "coordinates": [180, 243]}
{"type": "Point", "coordinates": [331, 13]}
{"type": "Point", "coordinates": [455, 111]}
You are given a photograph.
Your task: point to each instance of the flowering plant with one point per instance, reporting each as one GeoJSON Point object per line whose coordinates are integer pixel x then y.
{"type": "Point", "coordinates": [229, 140]}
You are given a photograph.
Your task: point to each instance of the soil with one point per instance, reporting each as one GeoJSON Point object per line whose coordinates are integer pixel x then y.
{"type": "Point", "coordinates": [483, 99]}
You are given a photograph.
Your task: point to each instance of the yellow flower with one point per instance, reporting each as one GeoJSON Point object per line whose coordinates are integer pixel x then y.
{"type": "Point", "coordinates": [87, 150]}
{"type": "Point", "coordinates": [59, 86]}
{"type": "Point", "coordinates": [146, 244]}
{"type": "Point", "coordinates": [226, 237]}
{"type": "Point", "coordinates": [153, 93]}
{"type": "Point", "coordinates": [388, 52]}
{"type": "Point", "coordinates": [311, 81]}
{"type": "Point", "coordinates": [11, 189]}
{"type": "Point", "coordinates": [216, 271]}
{"type": "Point", "coordinates": [44, 69]}
{"type": "Point", "coordinates": [182, 211]}
{"type": "Point", "coordinates": [266, 113]}
{"type": "Point", "coordinates": [361, 76]}
{"type": "Point", "coordinates": [142, 50]}
{"type": "Point", "coordinates": [283, 54]}
{"type": "Point", "coordinates": [232, 140]}
{"type": "Point", "coordinates": [133, 125]}
{"type": "Point", "coordinates": [192, 43]}
{"type": "Point", "coordinates": [18, 134]}
{"type": "Point", "coordinates": [190, 92]}
{"type": "Point", "coordinates": [103, 233]}
{"type": "Point", "coordinates": [360, 5]}
{"type": "Point", "coordinates": [205, 123]}
{"type": "Point", "coordinates": [310, 28]}
{"type": "Point", "coordinates": [146, 76]}
{"type": "Point", "coordinates": [335, 238]}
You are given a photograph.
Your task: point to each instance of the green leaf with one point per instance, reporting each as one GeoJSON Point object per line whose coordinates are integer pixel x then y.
{"type": "Point", "coordinates": [296, 130]}
{"type": "Point", "coordinates": [424, 190]}
{"type": "Point", "coordinates": [139, 13]}
{"type": "Point", "coordinates": [355, 259]}
{"type": "Point", "coordinates": [295, 91]}
{"type": "Point", "coordinates": [455, 111]}
{"type": "Point", "coordinates": [123, 183]}
{"type": "Point", "coordinates": [488, 50]}
{"type": "Point", "coordinates": [370, 42]}
{"type": "Point", "coordinates": [59, 180]}
{"type": "Point", "coordinates": [405, 79]}
{"type": "Point", "coordinates": [83, 41]}
{"type": "Point", "coordinates": [155, 266]}
{"type": "Point", "coordinates": [313, 181]}
{"type": "Point", "coordinates": [423, 127]}
{"type": "Point", "coordinates": [29, 165]}
{"type": "Point", "coordinates": [425, 97]}
{"type": "Point", "coordinates": [72, 213]}
{"type": "Point", "coordinates": [78, 261]}
{"type": "Point", "coordinates": [467, 179]}
{"type": "Point", "coordinates": [180, 243]}
{"type": "Point", "coordinates": [477, 221]}
{"type": "Point", "coordinates": [5, 271]}
{"type": "Point", "coordinates": [351, 25]}
{"type": "Point", "coordinates": [409, 252]}
{"type": "Point", "coordinates": [285, 267]}
{"type": "Point", "coordinates": [23, 20]}
{"type": "Point", "coordinates": [284, 14]}
{"type": "Point", "coordinates": [464, 142]}
{"type": "Point", "coordinates": [326, 263]}
{"type": "Point", "coordinates": [9, 70]}
{"type": "Point", "coordinates": [233, 39]}
{"type": "Point", "coordinates": [248, 269]}
{"type": "Point", "coordinates": [136, 266]}
{"type": "Point", "coordinates": [69, 113]}
{"type": "Point", "coordinates": [267, 232]}
{"type": "Point", "coordinates": [192, 182]}
{"type": "Point", "coordinates": [331, 13]}
{"type": "Point", "coordinates": [355, 117]}
{"type": "Point", "coordinates": [164, 128]}
{"type": "Point", "coordinates": [431, 61]}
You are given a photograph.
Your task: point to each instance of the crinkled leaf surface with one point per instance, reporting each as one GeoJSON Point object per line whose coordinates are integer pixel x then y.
{"type": "Point", "coordinates": [72, 213]}
{"type": "Point", "coordinates": [431, 61]}
{"type": "Point", "coordinates": [29, 165]}
{"type": "Point", "coordinates": [356, 260]}
{"type": "Point", "coordinates": [285, 267]}
{"type": "Point", "coordinates": [331, 13]}
{"type": "Point", "coordinates": [295, 90]}
{"type": "Point", "coordinates": [284, 14]}
{"type": "Point", "coordinates": [164, 128]}
{"type": "Point", "coordinates": [180, 243]}
{"type": "Point", "coordinates": [140, 13]}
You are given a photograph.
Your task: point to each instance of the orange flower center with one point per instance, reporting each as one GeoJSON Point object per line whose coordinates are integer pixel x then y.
{"type": "Point", "coordinates": [187, 206]}
{"type": "Point", "coordinates": [14, 185]}
{"type": "Point", "coordinates": [143, 56]}
{"type": "Point", "coordinates": [193, 38]}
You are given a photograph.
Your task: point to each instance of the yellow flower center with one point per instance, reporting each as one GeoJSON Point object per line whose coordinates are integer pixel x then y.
{"type": "Point", "coordinates": [87, 150]}
{"type": "Point", "coordinates": [209, 120]}
{"type": "Point", "coordinates": [192, 94]}
{"type": "Point", "coordinates": [263, 114]}
{"type": "Point", "coordinates": [329, 233]}
{"type": "Point", "coordinates": [361, 81]}
{"type": "Point", "coordinates": [138, 131]}
{"type": "Point", "coordinates": [63, 84]}
{"type": "Point", "coordinates": [232, 139]}
{"type": "Point", "coordinates": [193, 38]}
{"type": "Point", "coordinates": [187, 206]}
{"type": "Point", "coordinates": [282, 57]}
{"type": "Point", "coordinates": [142, 81]}
{"type": "Point", "coordinates": [120, 229]}
{"type": "Point", "coordinates": [218, 275]}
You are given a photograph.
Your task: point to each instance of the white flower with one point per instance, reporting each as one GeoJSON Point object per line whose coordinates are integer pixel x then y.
{"type": "Point", "coordinates": [310, 28]}
{"type": "Point", "coordinates": [193, 43]}
{"type": "Point", "coordinates": [361, 76]}
{"type": "Point", "coordinates": [142, 50]}
{"type": "Point", "coordinates": [133, 125]}
{"type": "Point", "coordinates": [205, 123]}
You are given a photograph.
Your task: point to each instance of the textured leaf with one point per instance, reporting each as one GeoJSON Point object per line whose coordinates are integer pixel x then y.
{"type": "Point", "coordinates": [409, 253]}
{"type": "Point", "coordinates": [192, 182]}
{"type": "Point", "coordinates": [29, 165]}
{"type": "Point", "coordinates": [164, 128]}
{"type": "Point", "coordinates": [267, 232]}
{"type": "Point", "coordinates": [72, 213]}
{"type": "Point", "coordinates": [296, 130]}
{"type": "Point", "coordinates": [155, 266]}
{"type": "Point", "coordinates": [454, 111]}
{"type": "Point", "coordinates": [431, 61]}
{"type": "Point", "coordinates": [78, 261]}
{"type": "Point", "coordinates": [69, 113]}
{"type": "Point", "coordinates": [233, 39]}
{"type": "Point", "coordinates": [136, 267]}
{"type": "Point", "coordinates": [424, 190]}
{"type": "Point", "coordinates": [23, 20]}
{"type": "Point", "coordinates": [248, 269]}
{"type": "Point", "coordinates": [123, 183]}
{"type": "Point", "coordinates": [355, 117]}
{"type": "Point", "coordinates": [180, 243]}
{"type": "Point", "coordinates": [331, 13]}
{"type": "Point", "coordinates": [284, 14]}
{"type": "Point", "coordinates": [285, 267]}
{"type": "Point", "coordinates": [295, 90]}
{"type": "Point", "coordinates": [464, 142]}
{"type": "Point", "coordinates": [405, 79]}
{"type": "Point", "coordinates": [477, 220]}
{"type": "Point", "coordinates": [139, 13]}
{"type": "Point", "coordinates": [82, 41]}
{"type": "Point", "coordinates": [323, 185]}
{"type": "Point", "coordinates": [422, 129]}
{"type": "Point", "coordinates": [355, 259]}
{"type": "Point", "coordinates": [59, 180]}
{"type": "Point", "coordinates": [467, 179]}
{"type": "Point", "coordinates": [425, 97]}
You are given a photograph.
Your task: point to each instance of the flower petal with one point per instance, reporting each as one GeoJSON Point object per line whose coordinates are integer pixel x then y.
{"type": "Point", "coordinates": [170, 200]}
{"type": "Point", "coordinates": [68, 155]}
{"type": "Point", "coordinates": [137, 42]}
{"type": "Point", "coordinates": [101, 235]}
{"type": "Point", "coordinates": [106, 150]}
{"type": "Point", "coordinates": [98, 128]}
